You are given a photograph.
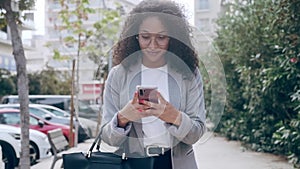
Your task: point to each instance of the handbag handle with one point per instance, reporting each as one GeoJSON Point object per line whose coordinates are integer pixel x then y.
{"type": "Point", "coordinates": [98, 141]}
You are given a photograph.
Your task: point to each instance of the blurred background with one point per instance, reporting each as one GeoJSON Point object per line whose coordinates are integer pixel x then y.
{"type": "Point", "coordinates": [252, 45]}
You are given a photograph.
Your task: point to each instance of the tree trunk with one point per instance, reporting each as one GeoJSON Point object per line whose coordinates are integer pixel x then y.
{"type": "Point", "coordinates": [71, 133]}
{"type": "Point", "coordinates": [20, 60]}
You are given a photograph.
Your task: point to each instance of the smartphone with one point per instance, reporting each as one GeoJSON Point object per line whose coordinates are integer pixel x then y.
{"type": "Point", "coordinates": [147, 93]}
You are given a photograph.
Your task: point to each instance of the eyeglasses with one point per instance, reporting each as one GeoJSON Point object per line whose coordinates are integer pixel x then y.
{"type": "Point", "coordinates": [146, 38]}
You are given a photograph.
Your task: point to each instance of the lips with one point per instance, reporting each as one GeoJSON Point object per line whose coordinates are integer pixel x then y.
{"type": "Point", "coordinates": [153, 53]}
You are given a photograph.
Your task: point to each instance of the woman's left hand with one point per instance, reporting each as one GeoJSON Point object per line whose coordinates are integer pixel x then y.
{"type": "Point", "coordinates": [164, 110]}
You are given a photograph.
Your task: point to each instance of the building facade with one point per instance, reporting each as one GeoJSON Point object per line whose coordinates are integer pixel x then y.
{"type": "Point", "coordinates": [85, 70]}
{"type": "Point", "coordinates": [205, 14]}
{"type": "Point", "coordinates": [7, 60]}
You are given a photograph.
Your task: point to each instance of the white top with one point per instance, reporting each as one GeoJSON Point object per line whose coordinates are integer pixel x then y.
{"type": "Point", "coordinates": [155, 132]}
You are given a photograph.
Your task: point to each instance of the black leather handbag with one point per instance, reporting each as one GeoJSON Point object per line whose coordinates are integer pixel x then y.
{"type": "Point", "coordinates": [103, 160]}
{"type": "Point", "coordinates": [92, 160]}
{"type": "Point", "coordinates": [97, 159]}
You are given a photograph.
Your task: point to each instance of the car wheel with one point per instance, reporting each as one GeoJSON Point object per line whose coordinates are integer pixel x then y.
{"type": "Point", "coordinates": [34, 153]}
{"type": "Point", "coordinates": [8, 156]}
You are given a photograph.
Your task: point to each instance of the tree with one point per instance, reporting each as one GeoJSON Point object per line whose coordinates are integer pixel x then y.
{"type": "Point", "coordinates": [99, 45]}
{"type": "Point", "coordinates": [18, 52]}
{"type": "Point", "coordinates": [49, 81]}
{"type": "Point", "coordinates": [6, 83]}
{"type": "Point", "coordinates": [76, 38]}
{"type": "Point", "coordinates": [45, 82]}
{"type": "Point", "coordinates": [259, 46]}
{"type": "Point", "coordinates": [84, 38]}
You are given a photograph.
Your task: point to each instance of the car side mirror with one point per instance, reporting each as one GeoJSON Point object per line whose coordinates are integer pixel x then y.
{"type": "Point", "coordinates": [41, 123]}
{"type": "Point", "coordinates": [47, 117]}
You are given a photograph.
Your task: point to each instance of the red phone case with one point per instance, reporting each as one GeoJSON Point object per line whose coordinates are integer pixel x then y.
{"type": "Point", "coordinates": [147, 93]}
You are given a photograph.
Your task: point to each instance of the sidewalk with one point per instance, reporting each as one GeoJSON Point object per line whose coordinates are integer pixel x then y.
{"type": "Point", "coordinates": [212, 153]}
{"type": "Point", "coordinates": [218, 153]}
{"type": "Point", "coordinates": [47, 162]}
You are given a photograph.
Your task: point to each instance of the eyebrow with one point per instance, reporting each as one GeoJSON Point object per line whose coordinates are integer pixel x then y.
{"type": "Point", "coordinates": [146, 31]}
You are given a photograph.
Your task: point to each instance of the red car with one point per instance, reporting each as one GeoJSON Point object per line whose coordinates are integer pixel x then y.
{"type": "Point", "coordinates": [12, 117]}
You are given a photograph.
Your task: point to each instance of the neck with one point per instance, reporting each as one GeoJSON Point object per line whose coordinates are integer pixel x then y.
{"type": "Point", "coordinates": [150, 64]}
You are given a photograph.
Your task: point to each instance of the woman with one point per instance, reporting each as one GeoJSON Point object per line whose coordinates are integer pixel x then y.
{"type": "Point", "coordinates": [155, 50]}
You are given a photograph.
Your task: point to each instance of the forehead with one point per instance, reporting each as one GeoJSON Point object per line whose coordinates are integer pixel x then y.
{"type": "Point", "coordinates": [152, 24]}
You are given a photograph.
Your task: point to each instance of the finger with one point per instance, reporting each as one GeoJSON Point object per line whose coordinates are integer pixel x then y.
{"type": "Point", "coordinates": [161, 98]}
{"type": "Point", "coordinates": [148, 112]}
{"type": "Point", "coordinates": [147, 104]}
{"type": "Point", "coordinates": [135, 98]}
{"type": "Point", "coordinates": [150, 104]}
{"type": "Point", "coordinates": [141, 107]}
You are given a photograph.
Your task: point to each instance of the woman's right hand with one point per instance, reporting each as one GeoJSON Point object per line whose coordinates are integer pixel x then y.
{"type": "Point", "coordinates": [133, 111]}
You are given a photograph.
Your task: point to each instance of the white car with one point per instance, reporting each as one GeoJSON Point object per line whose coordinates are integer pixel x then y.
{"type": "Point", "coordinates": [39, 144]}
{"type": "Point", "coordinates": [11, 149]}
{"type": "Point", "coordinates": [35, 109]}
{"type": "Point", "coordinates": [89, 125]}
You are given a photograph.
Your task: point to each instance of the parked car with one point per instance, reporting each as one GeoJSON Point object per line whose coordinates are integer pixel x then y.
{"type": "Point", "coordinates": [91, 125]}
{"type": "Point", "coordinates": [10, 150]}
{"type": "Point", "coordinates": [59, 101]}
{"type": "Point", "coordinates": [12, 117]}
{"type": "Point", "coordinates": [47, 115]}
{"type": "Point", "coordinates": [39, 144]}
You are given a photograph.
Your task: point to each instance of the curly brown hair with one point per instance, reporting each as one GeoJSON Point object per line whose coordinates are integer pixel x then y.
{"type": "Point", "coordinates": [171, 15]}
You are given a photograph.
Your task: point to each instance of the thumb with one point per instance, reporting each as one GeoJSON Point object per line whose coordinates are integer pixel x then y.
{"type": "Point", "coordinates": [135, 98]}
{"type": "Point", "coordinates": [161, 98]}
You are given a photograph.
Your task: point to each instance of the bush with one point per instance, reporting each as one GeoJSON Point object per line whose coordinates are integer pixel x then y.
{"type": "Point", "coordinates": [260, 53]}
{"type": "Point", "coordinates": [44, 82]}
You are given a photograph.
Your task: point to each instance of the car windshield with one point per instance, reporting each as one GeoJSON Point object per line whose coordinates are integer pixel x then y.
{"type": "Point", "coordinates": [37, 112]}
{"type": "Point", "coordinates": [56, 112]}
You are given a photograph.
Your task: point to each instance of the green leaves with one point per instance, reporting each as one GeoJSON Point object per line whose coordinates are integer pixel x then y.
{"type": "Point", "coordinates": [26, 4]}
{"type": "Point", "coordinates": [94, 41]}
{"type": "Point", "coordinates": [49, 82]}
{"type": "Point", "coordinates": [7, 83]}
{"type": "Point", "coordinates": [259, 46]}
{"type": "Point", "coordinates": [105, 35]}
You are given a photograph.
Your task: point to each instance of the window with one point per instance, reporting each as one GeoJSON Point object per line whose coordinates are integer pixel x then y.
{"type": "Point", "coordinates": [37, 112]}
{"type": "Point", "coordinates": [55, 4]}
{"type": "Point", "coordinates": [33, 121]}
{"type": "Point", "coordinates": [11, 118]}
{"type": "Point", "coordinates": [203, 25]}
{"type": "Point", "coordinates": [29, 16]}
{"type": "Point", "coordinates": [2, 119]}
{"type": "Point", "coordinates": [203, 4]}
{"type": "Point", "coordinates": [55, 101]}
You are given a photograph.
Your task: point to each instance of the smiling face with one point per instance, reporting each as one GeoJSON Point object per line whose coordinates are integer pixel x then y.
{"type": "Point", "coordinates": [154, 42]}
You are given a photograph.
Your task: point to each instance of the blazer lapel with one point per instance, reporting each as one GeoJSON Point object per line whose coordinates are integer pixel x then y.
{"type": "Point", "coordinates": [175, 87]}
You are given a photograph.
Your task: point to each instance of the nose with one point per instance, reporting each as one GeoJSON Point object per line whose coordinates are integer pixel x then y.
{"type": "Point", "coordinates": [152, 43]}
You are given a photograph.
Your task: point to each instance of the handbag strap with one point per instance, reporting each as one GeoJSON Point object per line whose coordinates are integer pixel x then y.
{"type": "Point", "coordinates": [98, 142]}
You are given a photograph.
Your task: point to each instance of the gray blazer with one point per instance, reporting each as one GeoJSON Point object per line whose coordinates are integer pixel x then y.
{"type": "Point", "coordinates": [186, 94]}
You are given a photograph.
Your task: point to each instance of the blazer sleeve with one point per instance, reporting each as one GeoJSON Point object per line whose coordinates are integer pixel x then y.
{"type": "Point", "coordinates": [111, 133]}
{"type": "Point", "coordinates": [193, 117]}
